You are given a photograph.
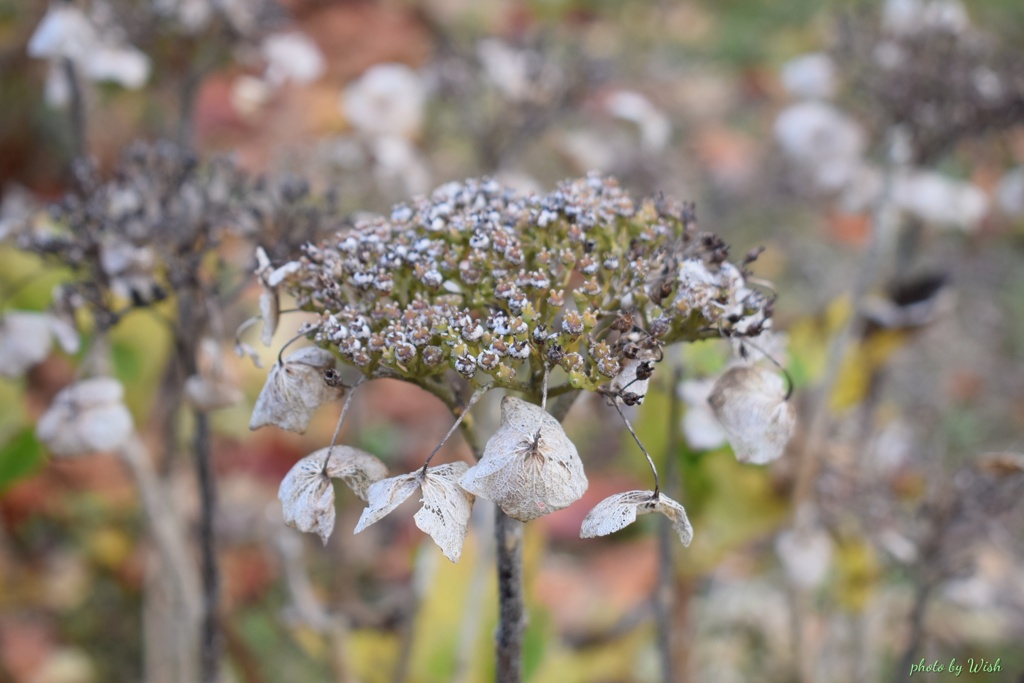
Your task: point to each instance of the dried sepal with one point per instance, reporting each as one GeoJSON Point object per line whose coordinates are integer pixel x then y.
{"type": "Point", "coordinates": [307, 494]}
{"type": "Point", "coordinates": [86, 417]}
{"type": "Point", "coordinates": [619, 511]}
{"type": "Point", "coordinates": [295, 388]}
{"type": "Point", "coordinates": [446, 506]}
{"type": "Point", "coordinates": [750, 402]}
{"type": "Point", "coordinates": [529, 466]}
{"type": "Point", "coordinates": [270, 301]}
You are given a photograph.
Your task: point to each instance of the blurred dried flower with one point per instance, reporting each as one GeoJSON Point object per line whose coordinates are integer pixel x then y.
{"type": "Point", "coordinates": [86, 417]}
{"type": "Point", "coordinates": [805, 554]}
{"type": "Point", "coordinates": [294, 389]}
{"type": "Point", "coordinates": [212, 387]}
{"type": "Point", "coordinates": [529, 466]}
{"type": "Point", "coordinates": [307, 494]}
{"type": "Point", "coordinates": [386, 101]}
{"type": "Point", "coordinates": [291, 56]}
{"type": "Point", "coordinates": [810, 76]}
{"type": "Point", "coordinates": [750, 402]}
{"type": "Point", "coordinates": [26, 339]}
{"type": "Point", "coordinates": [446, 506]}
{"type": "Point", "coordinates": [701, 428]}
{"type": "Point", "coordinates": [619, 511]}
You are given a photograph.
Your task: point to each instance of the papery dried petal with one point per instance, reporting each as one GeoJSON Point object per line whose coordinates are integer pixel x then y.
{"type": "Point", "coordinates": [86, 417]}
{"type": "Point", "coordinates": [750, 402]}
{"type": "Point", "coordinates": [446, 508]}
{"type": "Point", "coordinates": [384, 496]}
{"type": "Point", "coordinates": [619, 511]}
{"type": "Point", "coordinates": [529, 466]}
{"type": "Point", "coordinates": [294, 390]}
{"type": "Point", "coordinates": [307, 494]}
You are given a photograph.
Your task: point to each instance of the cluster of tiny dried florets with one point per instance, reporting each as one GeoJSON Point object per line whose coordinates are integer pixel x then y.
{"type": "Point", "coordinates": [150, 229]}
{"type": "Point", "coordinates": [497, 285]}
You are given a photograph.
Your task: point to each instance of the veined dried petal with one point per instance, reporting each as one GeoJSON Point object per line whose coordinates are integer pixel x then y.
{"type": "Point", "coordinates": [306, 492]}
{"type": "Point", "coordinates": [86, 417]}
{"type": "Point", "coordinates": [446, 506]}
{"type": "Point", "coordinates": [750, 402]}
{"type": "Point", "coordinates": [529, 466]}
{"type": "Point", "coordinates": [619, 511]}
{"type": "Point", "coordinates": [294, 390]}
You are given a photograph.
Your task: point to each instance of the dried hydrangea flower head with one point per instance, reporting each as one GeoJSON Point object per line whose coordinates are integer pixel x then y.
{"type": "Point", "coordinates": [87, 417]}
{"type": "Point", "coordinates": [478, 279]}
{"type": "Point", "coordinates": [529, 467]}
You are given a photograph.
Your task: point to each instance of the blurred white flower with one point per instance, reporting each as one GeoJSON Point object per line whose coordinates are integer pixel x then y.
{"type": "Point", "coordinates": [824, 141]}
{"type": "Point", "coordinates": [935, 198]}
{"type": "Point", "coordinates": [26, 339]}
{"type": "Point", "coordinates": [212, 387]}
{"type": "Point", "coordinates": [291, 56]}
{"type": "Point", "coordinates": [750, 403]}
{"type": "Point", "coordinates": [16, 209]}
{"type": "Point", "coordinates": [805, 554]}
{"type": "Point", "coordinates": [655, 128]}
{"type": "Point", "coordinates": [86, 417]}
{"type": "Point", "coordinates": [100, 55]}
{"type": "Point", "coordinates": [701, 428]}
{"type": "Point", "coordinates": [506, 68]}
{"type": "Point", "coordinates": [249, 95]}
{"type": "Point", "coordinates": [1010, 192]}
{"type": "Point", "coordinates": [399, 164]}
{"type": "Point", "coordinates": [387, 100]}
{"type": "Point", "coordinates": [907, 17]}
{"type": "Point", "coordinates": [810, 76]}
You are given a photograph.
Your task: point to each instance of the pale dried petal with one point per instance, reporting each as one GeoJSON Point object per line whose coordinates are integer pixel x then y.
{"type": "Point", "coordinates": [529, 466]}
{"type": "Point", "coordinates": [86, 417]}
{"type": "Point", "coordinates": [307, 495]}
{"type": "Point", "coordinates": [750, 402]}
{"type": "Point", "coordinates": [270, 311]}
{"type": "Point", "coordinates": [294, 390]}
{"type": "Point", "coordinates": [385, 495]}
{"type": "Point", "coordinates": [446, 508]}
{"type": "Point", "coordinates": [25, 340]}
{"type": "Point", "coordinates": [619, 511]}
{"type": "Point", "coordinates": [701, 428]}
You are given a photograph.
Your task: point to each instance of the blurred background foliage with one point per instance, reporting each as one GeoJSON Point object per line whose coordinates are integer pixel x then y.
{"type": "Point", "coordinates": [923, 423]}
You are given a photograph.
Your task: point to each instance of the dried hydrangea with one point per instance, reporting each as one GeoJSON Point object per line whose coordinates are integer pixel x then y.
{"type": "Point", "coordinates": [490, 283]}
{"type": "Point", "coordinates": [87, 417]}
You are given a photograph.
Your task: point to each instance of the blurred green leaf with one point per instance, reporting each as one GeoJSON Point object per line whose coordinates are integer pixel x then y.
{"type": "Point", "coordinates": [19, 458]}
